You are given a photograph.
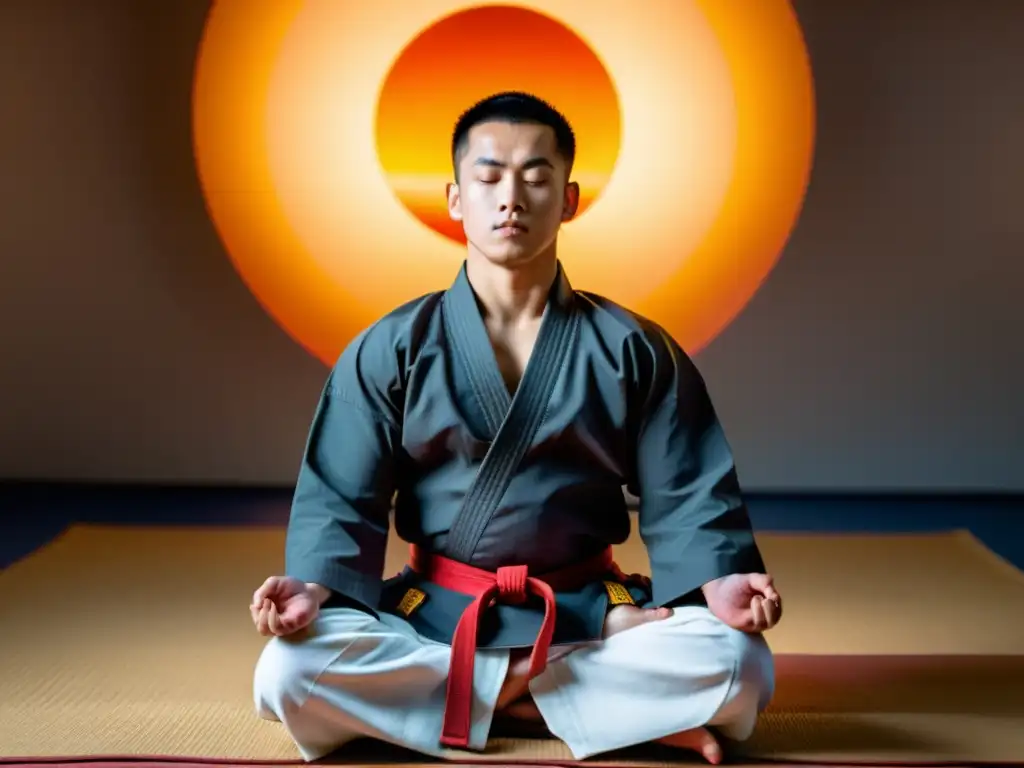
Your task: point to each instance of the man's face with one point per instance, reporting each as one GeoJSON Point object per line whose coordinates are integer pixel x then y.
{"type": "Point", "coordinates": [513, 192]}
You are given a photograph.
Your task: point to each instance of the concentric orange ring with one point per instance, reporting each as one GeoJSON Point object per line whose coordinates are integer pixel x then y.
{"type": "Point", "coordinates": [296, 127]}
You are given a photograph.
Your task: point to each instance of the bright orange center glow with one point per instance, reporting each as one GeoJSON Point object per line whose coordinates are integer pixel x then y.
{"type": "Point", "coordinates": [322, 139]}
{"type": "Point", "coordinates": [432, 83]}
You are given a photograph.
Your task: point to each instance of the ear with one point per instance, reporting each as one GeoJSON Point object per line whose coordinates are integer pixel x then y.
{"type": "Point", "coordinates": [571, 201]}
{"type": "Point", "coordinates": [454, 201]}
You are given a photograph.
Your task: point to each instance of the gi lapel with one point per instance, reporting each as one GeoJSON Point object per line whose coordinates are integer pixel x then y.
{"type": "Point", "coordinates": [471, 344]}
{"type": "Point", "coordinates": [514, 422]}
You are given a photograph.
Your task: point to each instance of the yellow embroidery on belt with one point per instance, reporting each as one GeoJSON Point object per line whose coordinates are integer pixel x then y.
{"type": "Point", "coordinates": [618, 594]}
{"type": "Point", "coordinates": [412, 600]}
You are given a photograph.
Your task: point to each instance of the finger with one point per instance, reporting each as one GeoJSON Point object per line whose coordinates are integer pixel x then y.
{"type": "Point", "coordinates": [285, 624]}
{"type": "Point", "coordinates": [260, 594]}
{"type": "Point", "coordinates": [769, 608]}
{"type": "Point", "coordinates": [274, 619]}
{"type": "Point", "coordinates": [757, 613]}
{"type": "Point", "coordinates": [760, 582]}
{"type": "Point", "coordinates": [264, 618]}
{"type": "Point", "coordinates": [267, 588]}
{"type": "Point", "coordinates": [258, 620]}
{"type": "Point", "coordinates": [261, 620]}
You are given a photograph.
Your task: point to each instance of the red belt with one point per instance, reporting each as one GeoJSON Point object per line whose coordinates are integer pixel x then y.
{"type": "Point", "coordinates": [511, 585]}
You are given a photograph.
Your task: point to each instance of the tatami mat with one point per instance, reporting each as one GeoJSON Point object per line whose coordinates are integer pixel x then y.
{"type": "Point", "coordinates": [138, 642]}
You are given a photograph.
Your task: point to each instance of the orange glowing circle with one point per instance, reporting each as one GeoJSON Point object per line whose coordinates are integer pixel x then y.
{"type": "Point", "coordinates": [428, 86]}
{"type": "Point", "coordinates": [715, 143]}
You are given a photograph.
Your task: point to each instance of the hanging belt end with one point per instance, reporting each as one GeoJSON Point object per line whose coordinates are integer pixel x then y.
{"type": "Point", "coordinates": [454, 742]}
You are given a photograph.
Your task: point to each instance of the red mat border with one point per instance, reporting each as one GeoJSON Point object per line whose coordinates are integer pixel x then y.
{"type": "Point", "coordinates": [158, 761]}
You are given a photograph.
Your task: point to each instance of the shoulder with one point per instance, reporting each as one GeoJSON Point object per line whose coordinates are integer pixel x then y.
{"type": "Point", "coordinates": [645, 346]}
{"type": "Point", "coordinates": [378, 356]}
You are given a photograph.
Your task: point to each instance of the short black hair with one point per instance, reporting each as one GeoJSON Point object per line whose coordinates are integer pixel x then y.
{"type": "Point", "coordinates": [514, 107]}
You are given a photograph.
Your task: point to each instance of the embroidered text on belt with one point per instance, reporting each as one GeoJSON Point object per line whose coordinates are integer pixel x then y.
{"type": "Point", "coordinates": [509, 585]}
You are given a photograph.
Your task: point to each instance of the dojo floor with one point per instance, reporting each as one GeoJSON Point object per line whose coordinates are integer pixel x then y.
{"type": "Point", "coordinates": [34, 516]}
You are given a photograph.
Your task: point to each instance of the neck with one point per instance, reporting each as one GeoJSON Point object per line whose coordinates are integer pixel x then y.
{"type": "Point", "coordinates": [511, 295]}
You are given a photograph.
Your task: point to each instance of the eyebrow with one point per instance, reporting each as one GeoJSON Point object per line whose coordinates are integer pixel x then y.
{"type": "Point", "coordinates": [533, 162]}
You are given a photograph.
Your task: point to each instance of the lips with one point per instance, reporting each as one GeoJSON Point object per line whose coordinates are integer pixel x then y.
{"type": "Point", "coordinates": [517, 226]}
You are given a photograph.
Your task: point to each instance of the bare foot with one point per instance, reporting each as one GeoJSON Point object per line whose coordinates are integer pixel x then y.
{"type": "Point", "coordinates": [699, 740]}
{"type": "Point", "coordinates": [623, 617]}
{"type": "Point", "coordinates": [517, 683]}
{"type": "Point", "coordinates": [517, 679]}
{"type": "Point", "coordinates": [524, 709]}
{"type": "Point", "coordinates": [514, 698]}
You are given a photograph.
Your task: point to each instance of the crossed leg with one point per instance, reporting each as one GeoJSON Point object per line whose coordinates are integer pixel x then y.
{"type": "Point", "coordinates": [658, 676]}
{"type": "Point", "coordinates": [352, 676]}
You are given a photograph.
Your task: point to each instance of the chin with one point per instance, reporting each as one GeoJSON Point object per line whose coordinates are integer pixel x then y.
{"type": "Point", "coordinates": [516, 251]}
{"type": "Point", "coordinates": [505, 250]}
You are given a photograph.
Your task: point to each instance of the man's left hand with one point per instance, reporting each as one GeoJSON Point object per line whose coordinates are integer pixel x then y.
{"type": "Point", "coordinates": [745, 601]}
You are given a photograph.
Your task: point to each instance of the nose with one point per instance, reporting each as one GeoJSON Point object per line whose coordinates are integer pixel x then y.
{"type": "Point", "coordinates": [510, 197]}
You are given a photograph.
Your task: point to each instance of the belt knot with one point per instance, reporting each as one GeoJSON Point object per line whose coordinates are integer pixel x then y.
{"type": "Point", "coordinates": [512, 583]}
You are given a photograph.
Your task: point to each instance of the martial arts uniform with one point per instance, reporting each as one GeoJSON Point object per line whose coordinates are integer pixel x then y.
{"type": "Point", "coordinates": [519, 494]}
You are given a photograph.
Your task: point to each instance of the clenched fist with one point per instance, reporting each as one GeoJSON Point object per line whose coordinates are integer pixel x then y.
{"type": "Point", "coordinates": [283, 605]}
{"type": "Point", "coordinates": [748, 602]}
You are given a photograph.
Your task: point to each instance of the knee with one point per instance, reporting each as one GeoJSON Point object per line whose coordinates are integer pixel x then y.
{"type": "Point", "coordinates": [290, 668]}
{"type": "Point", "coordinates": [744, 659]}
{"type": "Point", "coordinates": [752, 687]}
{"type": "Point", "coordinates": [755, 668]}
{"type": "Point", "coordinates": [282, 678]}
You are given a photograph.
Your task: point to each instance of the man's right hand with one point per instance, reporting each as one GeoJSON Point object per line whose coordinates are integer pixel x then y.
{"type": "Point", "coordinates": [283, 605]}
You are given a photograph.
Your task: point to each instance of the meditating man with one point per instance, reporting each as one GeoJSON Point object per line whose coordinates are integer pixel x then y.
{"type": "Point", "coordinates": [502, 418]}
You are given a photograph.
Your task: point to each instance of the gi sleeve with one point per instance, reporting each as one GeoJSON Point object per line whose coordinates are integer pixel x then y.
{"type": "Point", "coordinates": [692, 518]}
{"type": "Point", "coordinates": [338, 529]}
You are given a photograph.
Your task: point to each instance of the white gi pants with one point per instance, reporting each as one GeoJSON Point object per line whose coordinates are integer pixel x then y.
{"type": "Point", "coordinates": [356, 676]}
